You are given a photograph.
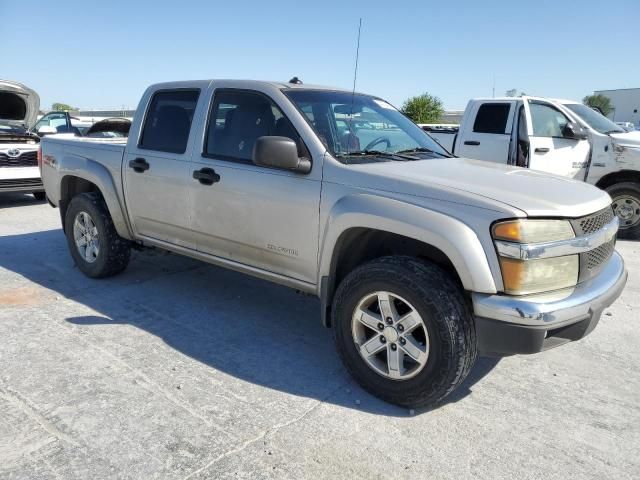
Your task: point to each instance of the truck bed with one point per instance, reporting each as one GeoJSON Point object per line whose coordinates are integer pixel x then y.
{"type": "Point", "coordinates": [107, 152]}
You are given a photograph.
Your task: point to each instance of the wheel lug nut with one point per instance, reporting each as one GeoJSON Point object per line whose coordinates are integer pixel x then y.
{"type": "Point", "coordinates": [380, 326]}
{"type": "Point", "coordinates": [393, 347]}
{"type": "Point", "coordinates": [403, 341]}
{"type": "Point", "coordinates": [401, 328]}
{"type": "Point", "coordinates": [382, 339]}
{"type": "Point", "coordinates": [389, 320]}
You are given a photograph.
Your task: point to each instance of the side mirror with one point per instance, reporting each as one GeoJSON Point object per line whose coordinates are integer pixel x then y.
{"type": "Point", "coordinates": [574, 131]}
{"type": "Point", "coordinates": [46, 130]}
{"type": "Point", "coordinates": [279, 152]}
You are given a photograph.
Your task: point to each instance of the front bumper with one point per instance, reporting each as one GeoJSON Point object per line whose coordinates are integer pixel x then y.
{"type": "Point", "coordinates": [508, 324]}
{"type": "Point", "coordinates": [20, 179]}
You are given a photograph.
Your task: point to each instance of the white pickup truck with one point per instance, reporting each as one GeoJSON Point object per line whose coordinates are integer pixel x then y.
{"type": "Point", "coordinates": [420, 260]}
{"type": "Point", "coordinates": [555, 136]}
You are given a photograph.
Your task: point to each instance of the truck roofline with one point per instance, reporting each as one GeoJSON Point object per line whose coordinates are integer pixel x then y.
{"type": "Point", "coordinates": [249, 84]}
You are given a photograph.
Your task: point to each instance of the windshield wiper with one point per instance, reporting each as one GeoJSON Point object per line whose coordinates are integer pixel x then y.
{"type": "Point", "coordinates": [377, 153]}
{"type": "Point", "coordinates": [422, 150]}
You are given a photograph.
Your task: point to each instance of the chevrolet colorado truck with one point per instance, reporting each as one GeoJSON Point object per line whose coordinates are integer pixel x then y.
{"type": "Point", "coordinates": [556, 136]}
{"type": "Point", "coordinates": [420, 261]}
{"type": "Point", "coordinates": [18, 146]}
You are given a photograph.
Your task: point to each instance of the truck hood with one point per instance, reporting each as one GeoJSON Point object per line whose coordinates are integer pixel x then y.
{"type": "Point", "coordinates": [460, 179]}
{"type": "Point", "coordinates": [627, 139]}
{"type": "Point", "coordinates": [18, 104]}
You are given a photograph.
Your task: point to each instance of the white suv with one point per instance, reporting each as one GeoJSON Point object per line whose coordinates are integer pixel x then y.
{"type": "Point", "coordinates": [19, 170]}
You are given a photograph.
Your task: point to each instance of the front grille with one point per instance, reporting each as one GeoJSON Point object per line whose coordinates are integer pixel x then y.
{"type": "Point", "coordinates": [26, 159]}
{"type": "Point", "coordinates": [598, 256]}
{"type": "Point", "coordinates": [20, 183]}
{"type": "Point", "coordinates": [591, 262]}
{"type": "Point", "coordinates": [592, 223]}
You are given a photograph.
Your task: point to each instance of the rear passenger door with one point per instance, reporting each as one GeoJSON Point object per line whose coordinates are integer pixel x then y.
{"type": "Point", "coordinates": [261, 217]}
{"type": "Point", "coordinates": [490, 135]}
{"type": "Point", "coordinates": [156, 169]}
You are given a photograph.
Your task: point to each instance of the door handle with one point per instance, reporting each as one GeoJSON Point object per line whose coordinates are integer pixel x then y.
{"type": "Point", "coordinates": [206, 176]}
{"type": "Point", "coordinates": [472, 142]}
{"type": "Point", "coordinates": [541, 150]}
{"type": "Point", "coordinates": [139, 165]}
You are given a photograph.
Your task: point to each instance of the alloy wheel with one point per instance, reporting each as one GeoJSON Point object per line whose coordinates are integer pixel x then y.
{"type": "Point", "coordinates": [390, 335]}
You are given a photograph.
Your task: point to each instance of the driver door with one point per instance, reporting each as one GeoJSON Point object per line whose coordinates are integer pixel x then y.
{"type": "Point", "coordinates": [550, 149]}
{"type": "Point", "coordinates": [262, 217]}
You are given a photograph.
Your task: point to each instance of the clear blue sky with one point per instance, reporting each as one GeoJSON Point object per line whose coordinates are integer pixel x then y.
{"type": "Point", "coordinates": [103, 54]}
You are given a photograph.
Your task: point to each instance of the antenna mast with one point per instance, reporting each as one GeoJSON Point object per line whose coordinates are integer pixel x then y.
{"type": "Point", "coordinates": [355, 76]}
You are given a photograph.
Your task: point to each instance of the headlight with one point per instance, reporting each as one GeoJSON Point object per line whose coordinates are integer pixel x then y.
{"type": "Point", "coordinates": [521, 277]}
{"type": "Point", "coordinates": [525, 276]}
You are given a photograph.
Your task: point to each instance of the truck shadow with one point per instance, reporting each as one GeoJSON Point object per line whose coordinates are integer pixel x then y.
{"type": "Point", "coordinates": [245, 327]}
{"type": "Point", "coordinates": [8, 200]}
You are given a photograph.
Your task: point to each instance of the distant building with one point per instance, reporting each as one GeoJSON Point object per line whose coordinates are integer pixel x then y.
{"type": "Point", "coordinates": [452, 116]}
{"type": "Point", "coordinates": [626, 104]}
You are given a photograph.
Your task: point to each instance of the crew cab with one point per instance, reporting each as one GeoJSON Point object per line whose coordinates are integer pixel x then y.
{"type": "Point", "coordinates": [18, 146]}
{"type": "Point", "coordinates": [420, 260]}
{"type": "Point", "coordinates": [556, 136]}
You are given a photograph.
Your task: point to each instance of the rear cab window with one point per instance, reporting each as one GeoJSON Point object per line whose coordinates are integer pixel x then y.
{"type": "Point", "coordinates": [168, 121]}
{"type": "Point", "coordinates": [492, 118]}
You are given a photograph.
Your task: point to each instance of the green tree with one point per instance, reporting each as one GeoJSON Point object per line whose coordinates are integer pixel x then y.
{"type": "Point", "coordinates": [61, 106]}
{"type": "Point", "coordinates": [599, 102]}
{"type": "Point", "coordinates": [423, 108]}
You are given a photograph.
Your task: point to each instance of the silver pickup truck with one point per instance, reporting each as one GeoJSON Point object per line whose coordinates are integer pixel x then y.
{"type": "Point", "coordinates": [420, 261]}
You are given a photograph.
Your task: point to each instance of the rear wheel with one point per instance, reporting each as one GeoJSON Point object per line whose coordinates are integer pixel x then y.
{"type": "Point", "coordinates": [95, 246]}
{"type": "Point", "coordinates": [403, 330]}
{"type": "Point", "coordinates": [626, 205]}
{"type": "Point", "coordinates": [40, 196]}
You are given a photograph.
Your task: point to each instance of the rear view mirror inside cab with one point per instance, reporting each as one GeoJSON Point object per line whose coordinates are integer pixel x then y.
{"type": "Point", "coordinates": [347, 109]}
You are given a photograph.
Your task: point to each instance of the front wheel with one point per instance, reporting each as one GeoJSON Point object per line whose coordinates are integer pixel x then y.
{"type": "Point", "coordinates": [403, 330]}
{"type": "Point", "coordinates": [625, 200]}
{"type": "Point", "coordinates": [95, 246]}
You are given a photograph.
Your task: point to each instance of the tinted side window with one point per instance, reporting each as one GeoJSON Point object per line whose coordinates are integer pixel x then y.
{"type": "Point", "coordinates": [238, 118]}
{"type": "Point", "coordinates": [547, 121]}
{"type": "Point", "coordinates": [168, 121]}
{"type": "Point", "coordinates": [492, 118]}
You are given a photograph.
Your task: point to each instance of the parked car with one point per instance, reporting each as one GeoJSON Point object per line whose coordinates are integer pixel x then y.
{"type": "Point", "coordinates": [109, 128]}
{"type": "Point", "coordinates": [420, 260]}
{"type": "Point", "coordinates": [60, 122]}
{"type": "Point", "coordinates": [628, 126]}
{"type": "Point", "coordinates": [18, 147]}
{"type": "Point", "coordinates": [562, 137]}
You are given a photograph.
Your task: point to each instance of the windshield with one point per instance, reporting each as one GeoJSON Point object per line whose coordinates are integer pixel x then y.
{"type": "Point", "coordinates": [359, 128]}
{"type": "Point", "coordinates": [595, 120]}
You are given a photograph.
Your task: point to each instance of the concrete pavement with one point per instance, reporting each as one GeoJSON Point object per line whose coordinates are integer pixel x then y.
{"type": "Point", "coordinates": [176, 369]}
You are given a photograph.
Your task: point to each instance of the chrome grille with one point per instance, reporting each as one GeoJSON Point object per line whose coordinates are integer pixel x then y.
{"type": "Point", "coordinates": [26, 159]}
{"type": "Point", "coordinates": [598, 256]}
{"type": "Point", "coordinates": [592, 223]}
{"type": "Point", "coordinates": [591, 262]}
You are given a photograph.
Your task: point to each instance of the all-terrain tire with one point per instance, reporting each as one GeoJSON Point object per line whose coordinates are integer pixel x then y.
{"type": "Point", "coordinates": [631, 192]}
{"type": "Point", "coordinates": [114, 251]}
{"type": "Point", "coordinates": [440, 303]}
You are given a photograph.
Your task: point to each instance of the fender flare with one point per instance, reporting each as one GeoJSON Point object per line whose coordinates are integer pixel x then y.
{"type": "Point", "coordinates": [454, 238]}
{"type": "Point", "coordinates": [99, 175]}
